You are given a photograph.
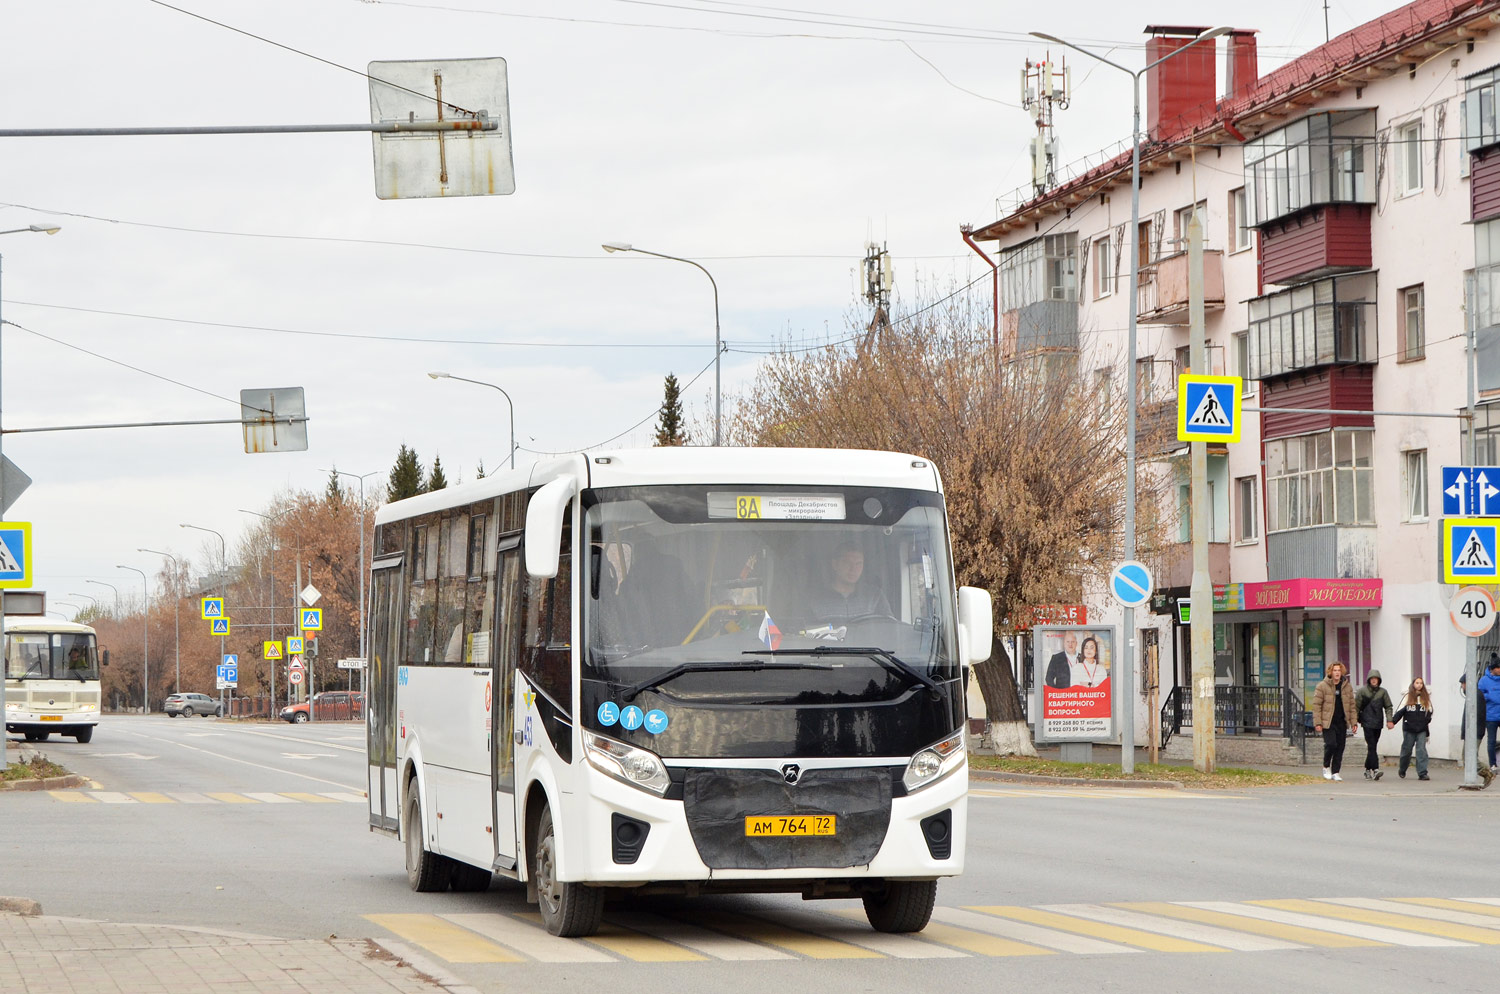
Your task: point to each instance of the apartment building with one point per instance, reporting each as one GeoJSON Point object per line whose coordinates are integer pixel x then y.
{"type": "Point", "coordinates": [1351, 209]}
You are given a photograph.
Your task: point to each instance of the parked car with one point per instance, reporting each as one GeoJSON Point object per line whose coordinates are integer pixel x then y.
{"type": "Point", "coordinates": [331, 705]}
{"type": "Point", "coordinates": [188, 705]}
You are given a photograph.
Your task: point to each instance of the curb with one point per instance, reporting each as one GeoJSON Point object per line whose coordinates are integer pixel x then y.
{"type": "Point", "coordinates": [1005, 777]}
{"type": "Point", "coordinates": [50, 783]}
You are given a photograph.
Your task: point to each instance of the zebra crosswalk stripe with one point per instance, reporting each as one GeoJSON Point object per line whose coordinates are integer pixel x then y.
{"type": "Point", "coordinates": [1209, 934]}
{"type": "Point", "coordinates": [1442, 930]}
{"type": "Point", "coordinates": [1389, 936]}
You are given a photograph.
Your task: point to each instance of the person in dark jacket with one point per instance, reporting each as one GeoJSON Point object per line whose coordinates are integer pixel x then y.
{"type": "Point", "coordinates": [1414, 715]}
{"type": "Point", "coordinates": [1489, 690]}
{"type": "Point", "coordinates": [1333, 715]}
{"type": "Point", "coordinates": [1373, 705]}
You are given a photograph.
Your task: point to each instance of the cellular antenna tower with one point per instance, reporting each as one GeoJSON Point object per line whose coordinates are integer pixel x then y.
{"type": "Point", "coordinates": [1045, 86]}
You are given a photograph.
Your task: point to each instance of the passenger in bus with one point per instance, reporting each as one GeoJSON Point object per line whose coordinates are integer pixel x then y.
{"type": "Point", "coordinates": [846, 597]}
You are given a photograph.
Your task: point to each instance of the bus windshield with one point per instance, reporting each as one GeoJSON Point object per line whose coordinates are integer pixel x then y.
{"type": "Point", "coordinates": [765, 594]}
{"type": "Point", "coordinates": [50, 656]}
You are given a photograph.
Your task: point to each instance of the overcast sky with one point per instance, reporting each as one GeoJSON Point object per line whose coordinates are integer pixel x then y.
{"type": "Point", "coordinates": [768, 140]}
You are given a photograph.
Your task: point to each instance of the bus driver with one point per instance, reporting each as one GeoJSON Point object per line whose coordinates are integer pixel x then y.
{"type": "Point", "coordinates": [845, 598]}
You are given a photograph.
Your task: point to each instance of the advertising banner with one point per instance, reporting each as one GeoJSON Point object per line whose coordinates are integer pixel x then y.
{"type": "Point", "coordinates": [1075, 695]}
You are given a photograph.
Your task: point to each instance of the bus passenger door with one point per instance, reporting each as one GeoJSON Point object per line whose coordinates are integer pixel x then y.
{"type": "Point", "coordinates": [502, 708]}
{"type": "Point", "coordinates": [385, 632]}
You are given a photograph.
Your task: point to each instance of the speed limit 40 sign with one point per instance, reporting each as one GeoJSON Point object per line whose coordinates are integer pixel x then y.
{"type": "Point", "coordinates": [1472, 611]}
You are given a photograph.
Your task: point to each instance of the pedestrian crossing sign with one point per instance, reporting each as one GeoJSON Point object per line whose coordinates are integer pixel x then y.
{"type": "Point", "coordinates": [294, 645]}
{"type": "Point", "coordinates": [15, 554]}
{"type": "Point", "coordinates": [1469, 550]}
{"type": "Point", "coordinates": [213, 607]}
{"type": "Point", "coordinates": [311, 620]}
{"type": "Point", "coordinates": [219, 626]}
{"type": "Point", "coordinates": [1208, 408]}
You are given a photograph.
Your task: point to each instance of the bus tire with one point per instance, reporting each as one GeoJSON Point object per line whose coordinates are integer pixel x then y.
{"type": "Point", "coordinates": [904, 906]}
{"type": "Point", "coordinates": [468, 878]}
{"type": "Point", "coordinates": [569, 910]}
{"type": "Point", "coordinates": [426, 871]}
{"type": "Point", "coordinates": [84, 734]}
{"type": "Point", "coordinates": [37, 736]}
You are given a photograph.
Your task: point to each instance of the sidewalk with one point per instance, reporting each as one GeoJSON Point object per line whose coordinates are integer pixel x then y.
{"type": "Point", "coordinates": [43, 955]}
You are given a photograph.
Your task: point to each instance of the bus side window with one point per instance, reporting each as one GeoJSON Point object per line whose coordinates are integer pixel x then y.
{"type": "Point", "coordinates": [548, 654]}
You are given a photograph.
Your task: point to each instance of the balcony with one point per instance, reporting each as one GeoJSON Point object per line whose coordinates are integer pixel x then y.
{"type": "Point", "coordinates": [1342, 551]}
{"type": "Point", "coordinates": [1162, 292]}
{"type": "Point", "coordinates": [1320, 241]}
{"type": "Point", "coordinates": [1323, 324]}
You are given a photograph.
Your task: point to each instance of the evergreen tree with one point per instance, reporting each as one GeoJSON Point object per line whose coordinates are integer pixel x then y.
{"type": "Point", "coordinates": [437, 480]}
{"type": "Point", "coordinates": [334, 495]}
{"type": "Point", "coordinates": [406, 475]}
{"type": "Point", "coordinates": [669, 424]}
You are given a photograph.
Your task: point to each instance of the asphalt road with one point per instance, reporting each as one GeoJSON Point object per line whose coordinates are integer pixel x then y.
{"type": "Point", "coordinates": [261, 828]}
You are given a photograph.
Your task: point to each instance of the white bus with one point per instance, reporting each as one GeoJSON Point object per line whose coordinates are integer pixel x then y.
{"type": "Point", "coordinates": [662, 671]}
{"type": "Point", "coordinates": [51, 679]}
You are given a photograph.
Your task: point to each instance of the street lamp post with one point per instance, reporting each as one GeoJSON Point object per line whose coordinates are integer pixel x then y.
{"type": "Point", "coordinates": [270, 666]}
{"type": "Point", "coordinates": [145, 640]}
{"type": "Point", "coordinates": [176, 612]}
{"type": "Point", "coordinates": [718, 343]}
{"type": "Point", "coordinates": [361, 478]}
{"type": "Point", "coordinates": [223, 578]}
{"type": "Point", "coordinates": [1127, 679]}
{"type": "Point", "coordinates": [482, 383]}
{"type": "Point", "coordinates": [111, 586]}
{"type": "Point", "coordinates": [47, 229]}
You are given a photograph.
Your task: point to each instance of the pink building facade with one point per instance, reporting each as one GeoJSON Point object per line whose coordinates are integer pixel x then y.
{"type": "Point", "coordinates": [1351, 209]}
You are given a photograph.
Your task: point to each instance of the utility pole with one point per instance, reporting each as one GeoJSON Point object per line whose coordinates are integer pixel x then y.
{"type": "Point", "coordinates": [1202, 591]}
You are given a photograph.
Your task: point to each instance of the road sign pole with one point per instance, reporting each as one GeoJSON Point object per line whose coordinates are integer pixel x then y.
{"type": "Point", "coordinates": [1202, 590]}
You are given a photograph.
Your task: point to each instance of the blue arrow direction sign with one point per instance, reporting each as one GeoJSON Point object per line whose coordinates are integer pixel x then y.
{"type": "Point", "coordinates": [1471, 491]}
{"type": "Point", "coordinates": [1130, 582]}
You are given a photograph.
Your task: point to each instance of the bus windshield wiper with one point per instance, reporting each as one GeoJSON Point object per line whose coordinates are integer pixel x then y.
{"type": "Point", "coordinates": [885, 657]}
{"type": "Point", "coordinates": [651, 682]}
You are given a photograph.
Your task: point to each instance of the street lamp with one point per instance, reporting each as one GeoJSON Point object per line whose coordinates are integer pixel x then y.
{"type": "Point", "coordinates": [47, 229]}
{"type": "Point", "coordinates": [361, 478]}
{"type": "Point", "coordinates": [718, 344]}
{"type": "Point", "coordinates": [145, 640]}
{"type": "Point", "coordinates": [1127, 677]}
{"type": "Point", "coordinates": [223, 579]}
{"type": "Point", "coordinates": [464, 379]}
{"type": "Point", "coordinates": [111, 586]}
{"type": "Point", "coordinates": [176, 611]}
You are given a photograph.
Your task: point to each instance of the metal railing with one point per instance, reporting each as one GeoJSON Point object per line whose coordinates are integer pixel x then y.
{"type": "Point", "coordinates": [1241, 711]}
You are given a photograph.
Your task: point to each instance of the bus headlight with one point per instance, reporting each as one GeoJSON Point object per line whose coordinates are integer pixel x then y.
{"type": "Point", "coordinates": [626, 763]}
{"type": "Point", "coordinates": [935, 762]}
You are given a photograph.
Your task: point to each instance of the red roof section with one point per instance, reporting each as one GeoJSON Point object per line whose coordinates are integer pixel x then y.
{"type": "Point", "coordinates": [1368, 43]}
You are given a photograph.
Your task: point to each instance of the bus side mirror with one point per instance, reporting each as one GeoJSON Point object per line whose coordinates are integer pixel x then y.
{"type": "Point", "coordinates": [976, 625]}
{"type": "Point", "coordinates": [544, 515]}
{"type": "Point", "coordinates": [105, 661]}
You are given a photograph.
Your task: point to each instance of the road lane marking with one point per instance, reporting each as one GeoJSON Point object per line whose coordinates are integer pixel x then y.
{"type": "Point", "coordinates": [307, 798]}
{"type": "Point", "coordinates": [246, 762]}
{"type": "Point", "coordinates": [981, 943]}
{"type": "Point", "coordinates": [792, 940]}
{"type": "Point", "coordinates": [1257, 926]}
{"type": "Point", "coordinates": [1417, 911]}
{"type": "Point", "coordinates": [1099, 930]}
{"type": "Point", "coordinates": [1065, 942]}
{"type": "Point", "coordinates": [529, 940]}
{"type": "Point", "coordinates": [320, 743]}
{"type": "Point", "coordinates": [1484, 900]}
{"type": "Point", "coordinates": [890, 944]}
{"type": "Point", "coordinates": [633, 945]}
{"type": "Point", "coordinates": [346, 798]}
{"type": "Point", "coordinates": [113, 797]}
{"type": "Point", "coordinates": [1238, 941]}
{"type": "Point", "coordinates": [1472, 905]}
{"type": "Point", "coordinates": [1444, 930]}
{"type": "Point", "coordinates": [445, 939]}
{"type": "Point", "coordinates": [1102, 793]}
{"type": "Point", "coordinates": [227, 797]}
{"type": "Point", "coordinates": [1389, 936]}
{"type": "Point", "coordinates": [149, 797]}
{"type": "Point", "coordinates": [700, 940]}
{"type": "Point", "coordinates": [68, 795]}
{"type": "Point", "coordinates": [269, 798]}
{"type": "Point", "coordinates": [188, 797]}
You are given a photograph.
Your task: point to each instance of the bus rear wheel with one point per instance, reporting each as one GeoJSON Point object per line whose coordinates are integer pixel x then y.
{"type": "Point", "coordinates": [904, 906]}
{"type": "Point", "coordinates": [569, 910]}
{"type": "Point", "coordinates": [425, 870]}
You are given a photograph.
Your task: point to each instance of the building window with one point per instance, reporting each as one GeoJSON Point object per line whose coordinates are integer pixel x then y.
{"type": "Point", "coordinates": [1409, 159]}
{"type": "Point", "coordinates": [1182, 360]}
{"type": "Point", "coordinates": [1415, 487]}
{"type": "Point", "coordinates": [1479, 110]}
{"type": "Point", "coordinates": [1419, 629]}
{"type": "Point", "coordinates": [1103, 272]}
{"type": "Point", "coordinates": [1321, 159]}
{"type": "Point", "coordinates": [1239, 233]}
{"type": "Point", "coordinates": [1322, 479]}
{"type": "Point", "coordinates": [1413, 344]}
{"type": "Point", "coordinates": [1044, 268]}
{"type": "Point", "coordinates": [1318, 324]}
{"type": "Point", "coordinates": [1180, 220]}
{"type": "Point", "coordinates": [1246, 521]}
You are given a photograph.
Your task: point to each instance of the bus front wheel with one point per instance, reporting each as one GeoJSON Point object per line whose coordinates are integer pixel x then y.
{"type": "Point", "coordinates": [569, 910]}
{"type": "Point", "coordinates": [84, 734]}
{"type": "Point", "coordinates": [904, 906]}
{"type": "Point", "coordinates": [425, 870]}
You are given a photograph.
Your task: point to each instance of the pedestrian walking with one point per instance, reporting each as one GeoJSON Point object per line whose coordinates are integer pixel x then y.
{"type": "Point", "coordinates": [1414, 716]}
{"type": "Point", "coordinates": [1333, 716]}
{"type": "Point", "coordinates": [1489, 690]}
{"type": "Point", "coordinates": [1373, 705]}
